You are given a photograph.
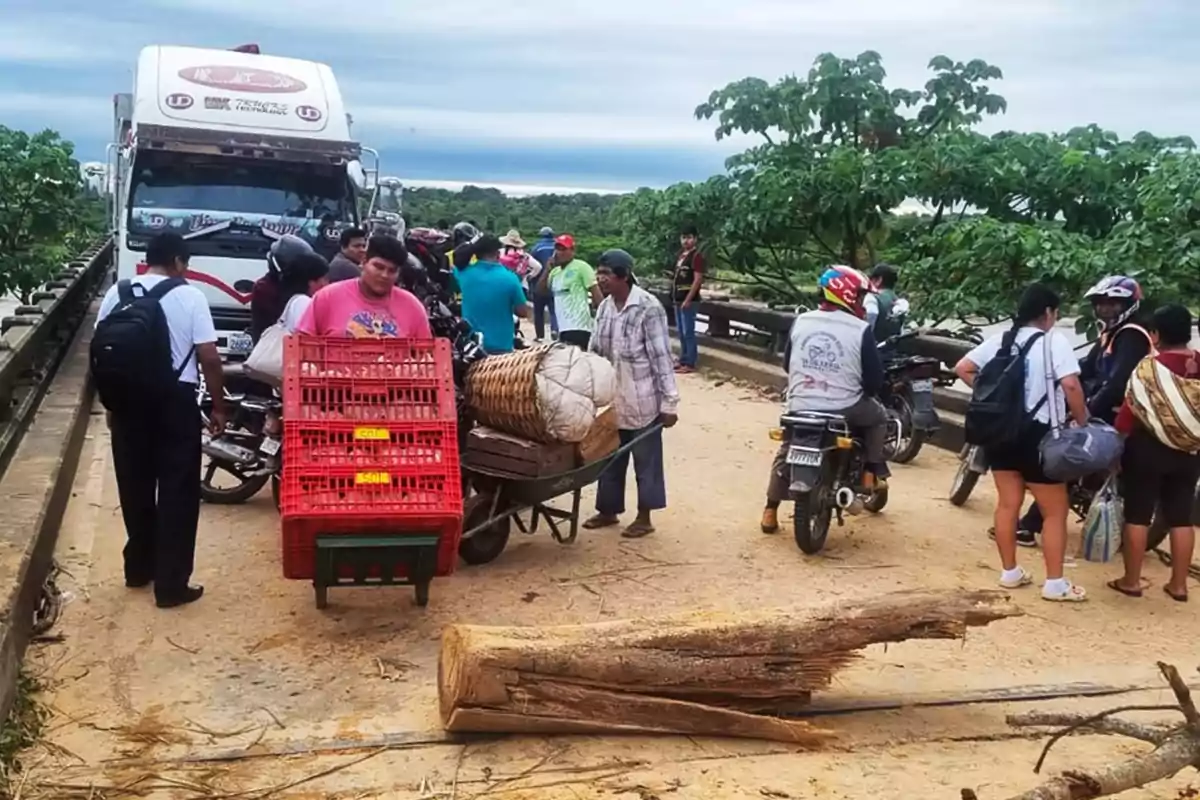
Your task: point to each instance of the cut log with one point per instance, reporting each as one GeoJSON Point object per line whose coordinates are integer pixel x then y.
{"type": "Point", "coordinates": [697, 674]}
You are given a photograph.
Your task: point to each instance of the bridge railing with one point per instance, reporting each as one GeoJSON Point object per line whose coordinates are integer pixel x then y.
{"type": "Point", "coordinates": [754, 329]}
{"type": "Point", "coordinates": [36, 336]}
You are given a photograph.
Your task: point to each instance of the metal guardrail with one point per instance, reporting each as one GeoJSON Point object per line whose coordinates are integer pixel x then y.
{"type": "Point", "coordinates": [752, 329]}
{"type": "Point", "coordinates": [34, 340]}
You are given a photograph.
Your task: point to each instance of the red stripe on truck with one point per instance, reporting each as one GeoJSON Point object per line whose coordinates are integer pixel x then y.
{"type": "Point", "coordinates": [207, 280]}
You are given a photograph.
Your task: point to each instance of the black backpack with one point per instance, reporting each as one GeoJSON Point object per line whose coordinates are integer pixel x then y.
{"type": "Point", "coordinates": [996, 414]}
{"type": "Point", "coordinates": [131, 349]}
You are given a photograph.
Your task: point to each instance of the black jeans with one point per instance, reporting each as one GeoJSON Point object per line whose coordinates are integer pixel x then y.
{"type": "Point", "coordinates": [156, 455]}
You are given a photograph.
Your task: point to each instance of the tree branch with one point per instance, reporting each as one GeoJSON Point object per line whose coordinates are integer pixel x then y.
{"type": "Point", "coordinates": [1175, 748]}
{"type": "Point", "coordinates": [1183, 695]}
{"type": "Point", "coordinates": [1153, 734]}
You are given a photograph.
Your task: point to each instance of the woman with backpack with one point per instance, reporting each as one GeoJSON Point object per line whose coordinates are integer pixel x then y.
{"type": "Point", "coordinates": [1161, 462]}
{"type": "Point", "coordinates": [1011, 374]}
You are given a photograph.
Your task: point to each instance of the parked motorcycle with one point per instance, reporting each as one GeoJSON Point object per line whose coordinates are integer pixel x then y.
{"type": "Point", "coordinates": [250, 448]}
{"type": "Point", "coordinates": [826, 462]}
{"type": "Point", "coordinates": [908, 395]}
{"type": "Point", "coordinates": [973, 464]}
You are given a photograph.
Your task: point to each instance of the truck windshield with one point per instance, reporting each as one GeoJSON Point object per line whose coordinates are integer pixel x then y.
{"type": "Point", "coordinates": [231, 206]}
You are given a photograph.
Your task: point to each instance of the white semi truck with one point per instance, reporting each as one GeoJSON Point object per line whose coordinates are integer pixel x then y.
{"type": "Point", "coordinates": [232, 149]}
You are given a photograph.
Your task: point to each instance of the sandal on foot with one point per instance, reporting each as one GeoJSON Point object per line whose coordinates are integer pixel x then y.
{"type": "Point", "coordinates": [600, 521]}
{"type": "Point", "coordinates": [1023, 580]}
{"type": "Point", "coordinates": [1072, 594]}
{"type": "Point", "coordinates": [1117, 587]}
{"type": "Point", "coordinates": [637, 530]}
{"type": "Point", "coordinates": [1178, 598]}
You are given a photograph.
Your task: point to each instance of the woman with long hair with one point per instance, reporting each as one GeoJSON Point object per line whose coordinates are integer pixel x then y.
{"type": "Point", "coordinates": [304, 276]}
{"type": "Point", "coordinates": [1016, 465]}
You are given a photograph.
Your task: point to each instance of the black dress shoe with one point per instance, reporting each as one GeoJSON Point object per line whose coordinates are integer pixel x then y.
{"type": "Point", "coordinates": [190, 594]}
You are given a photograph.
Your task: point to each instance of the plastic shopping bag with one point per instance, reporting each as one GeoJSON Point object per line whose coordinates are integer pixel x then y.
{"type": "Point", "coordinates": [1103, 525]}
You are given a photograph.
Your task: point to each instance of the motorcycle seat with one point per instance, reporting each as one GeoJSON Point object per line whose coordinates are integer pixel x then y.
{"type": "Point", "coordinates": [238, 381]}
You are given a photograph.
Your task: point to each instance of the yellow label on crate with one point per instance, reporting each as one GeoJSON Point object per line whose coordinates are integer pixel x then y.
{"type": "Point", "coordinates": [373, 478]}
{"type": "Point", "coordinates": [370, 434]}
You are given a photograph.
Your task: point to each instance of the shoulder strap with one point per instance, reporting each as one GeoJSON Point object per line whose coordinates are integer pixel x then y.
{"type": "Point", "coordinates": [163, 287]}
{"type": "Point", "coordinates": [1029, 343]}
{"type": "Point", "coordinates": [125, 291]}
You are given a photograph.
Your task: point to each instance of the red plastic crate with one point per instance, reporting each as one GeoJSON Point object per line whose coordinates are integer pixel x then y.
{"type": "Point", "coordinates": [299, 539]}
{"type": "Point", "coordinates": [370, 445]}
{"type": "Point", "coordinates": [378, 380]}
{"type": "Point", "coordinates": [386, 492]}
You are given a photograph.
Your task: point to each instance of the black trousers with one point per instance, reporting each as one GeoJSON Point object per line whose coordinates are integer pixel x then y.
{"type": "Point", "coordinates": [156, 454]}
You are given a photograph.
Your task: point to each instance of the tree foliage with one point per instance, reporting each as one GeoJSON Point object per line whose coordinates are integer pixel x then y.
{"type": "Point", "coordinates": [41, 215]}
{"type": "Point", "coordinates": [588, 217]}
{"type": "Point", "coordinates": [838, 151]}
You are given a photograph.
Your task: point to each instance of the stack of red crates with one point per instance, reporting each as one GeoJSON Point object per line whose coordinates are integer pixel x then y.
{"type": "Point", "coordinates": [370, 445]}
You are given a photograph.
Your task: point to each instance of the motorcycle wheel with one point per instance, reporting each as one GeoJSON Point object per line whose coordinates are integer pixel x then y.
{"type": "Point", "coordinates": [877, 501]}
{"type": "Point", "coordinates": [487, 545]}
{"type": "Point", "coordinates": [911, 441]}
{"type": "Point", "coordinates": [246, 488]}
{"type": "Point", "coordinates": [964, 483]}
{"type": "Point", "coordinates": [814, 512]}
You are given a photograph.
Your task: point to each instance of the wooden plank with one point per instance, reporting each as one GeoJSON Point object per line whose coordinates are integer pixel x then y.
{"type": "Point", "coordinates": [491, 449]}
{"type": "Point", "coordinates": [830, 706]}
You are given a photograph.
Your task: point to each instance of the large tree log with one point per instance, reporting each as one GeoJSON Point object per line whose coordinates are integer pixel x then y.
{"type": "Point", "coordinates": [699, 674]}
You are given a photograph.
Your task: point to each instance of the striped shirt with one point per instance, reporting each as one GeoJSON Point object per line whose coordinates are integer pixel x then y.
{"type": "Point", "coordinates": [636, 341]}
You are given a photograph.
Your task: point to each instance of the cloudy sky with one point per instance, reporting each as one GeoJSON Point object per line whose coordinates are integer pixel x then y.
{"type": "Point", "coordinates": [600, 93]}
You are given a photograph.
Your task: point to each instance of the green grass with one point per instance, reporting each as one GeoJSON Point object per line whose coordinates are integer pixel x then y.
{"type": "Point", "coordinates": [23, 728]}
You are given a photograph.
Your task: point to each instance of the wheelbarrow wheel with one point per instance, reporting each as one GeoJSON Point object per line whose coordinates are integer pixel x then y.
{"type": "Point", "coordinates": [486, 545]}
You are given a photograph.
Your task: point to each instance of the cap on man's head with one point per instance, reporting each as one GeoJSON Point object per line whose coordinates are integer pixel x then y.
{"type": "Point", "coordinates": [566, 241]}
{"type": "Point", "coordinates": [546, 232]}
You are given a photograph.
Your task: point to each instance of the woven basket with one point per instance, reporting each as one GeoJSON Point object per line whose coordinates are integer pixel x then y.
{"type": "Point", "coordinates": [502, 393]}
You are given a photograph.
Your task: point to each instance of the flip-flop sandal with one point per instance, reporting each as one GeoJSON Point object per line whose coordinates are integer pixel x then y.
{"type": "Point", "coordinates": [1117, 587]}
{"type": "Point", "coordinates": [1178, 598]}
{"type": "Point", "coordinates": [637, 530]}
{"type": "Point", "coordinates": [600, 521]}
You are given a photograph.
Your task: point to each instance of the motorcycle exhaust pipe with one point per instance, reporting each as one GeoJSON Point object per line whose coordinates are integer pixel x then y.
{"type": "Point", "coordinates": [227, 451]}
{"type": "Point", "coordinates": [844, 497]}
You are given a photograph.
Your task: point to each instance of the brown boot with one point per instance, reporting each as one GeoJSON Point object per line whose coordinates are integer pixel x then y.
{"type": "Point", "coordinates": [770, 520]}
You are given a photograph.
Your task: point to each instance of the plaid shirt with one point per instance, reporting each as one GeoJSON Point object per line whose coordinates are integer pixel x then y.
{"type": "Point", "coordinates": [635, 339]}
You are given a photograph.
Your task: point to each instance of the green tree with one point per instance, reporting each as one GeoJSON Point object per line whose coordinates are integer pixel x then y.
{"type": "Point", "coordinates": [40, 190]}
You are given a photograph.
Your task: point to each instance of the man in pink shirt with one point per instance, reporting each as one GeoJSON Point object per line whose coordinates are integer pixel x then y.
{"type": "Point", "coordinates": [372, 306]}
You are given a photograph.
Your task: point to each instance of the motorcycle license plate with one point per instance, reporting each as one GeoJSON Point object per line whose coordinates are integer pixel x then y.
{"type": "Point", "coordinates": [803, 458]}
{"type": "Point", "coordinates": [239, 344]}
{"type": "Point", "coordinates": [269, 446]}
{"type": "Point", "coordinates": [922, 386]}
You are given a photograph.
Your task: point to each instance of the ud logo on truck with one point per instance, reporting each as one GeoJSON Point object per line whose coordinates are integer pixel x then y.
{"type": "Point", "coordinates": [179, 101]}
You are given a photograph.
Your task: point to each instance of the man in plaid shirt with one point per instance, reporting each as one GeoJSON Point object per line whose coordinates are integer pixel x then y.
{"type": "Point", "coordinates": [631, 332]}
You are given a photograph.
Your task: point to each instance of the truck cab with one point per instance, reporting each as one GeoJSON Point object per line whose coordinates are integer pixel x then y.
{"type": "Point", "coordinates": [232, 150]}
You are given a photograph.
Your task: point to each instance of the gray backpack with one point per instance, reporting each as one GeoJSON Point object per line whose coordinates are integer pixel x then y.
{"type": "Point", "coordinates": [1070, 453]}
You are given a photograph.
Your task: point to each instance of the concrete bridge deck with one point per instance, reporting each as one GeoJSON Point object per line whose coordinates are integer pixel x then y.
{"type": "Point", "coordinates": [253, 693]}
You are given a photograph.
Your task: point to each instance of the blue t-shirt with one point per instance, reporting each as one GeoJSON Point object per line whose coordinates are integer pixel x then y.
{"type": "Point", "coordinates": [491, 293]}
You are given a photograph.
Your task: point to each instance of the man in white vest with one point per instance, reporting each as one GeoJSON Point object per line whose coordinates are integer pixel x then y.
{"type": "Point", "coordinates": [834, 367]}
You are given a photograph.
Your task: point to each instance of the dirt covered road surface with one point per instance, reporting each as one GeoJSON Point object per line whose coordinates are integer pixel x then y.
{"type": "Point", "coordinates": [254, 693]}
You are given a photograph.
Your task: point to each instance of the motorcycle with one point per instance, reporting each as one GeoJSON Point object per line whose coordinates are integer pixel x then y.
{"type": "Point", "coordinates": [826, 462]}
{"type": "Point", "coordinates": [250, 447]}
{"type": "Point", "coordinates": [908, 396]}
{"type": "Point", "coordinates": [973, 464]}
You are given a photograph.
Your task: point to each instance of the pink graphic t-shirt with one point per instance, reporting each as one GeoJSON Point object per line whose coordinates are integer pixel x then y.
{"type": "Point", "coordinates": [342, 309]}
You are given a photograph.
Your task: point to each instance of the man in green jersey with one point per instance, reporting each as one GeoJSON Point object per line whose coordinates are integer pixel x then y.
{"type": "Point", "coordinates": [576, 293]}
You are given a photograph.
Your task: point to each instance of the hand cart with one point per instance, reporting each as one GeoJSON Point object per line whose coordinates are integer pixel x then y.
{"type": "Point", "coordinates": [499, 499]}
